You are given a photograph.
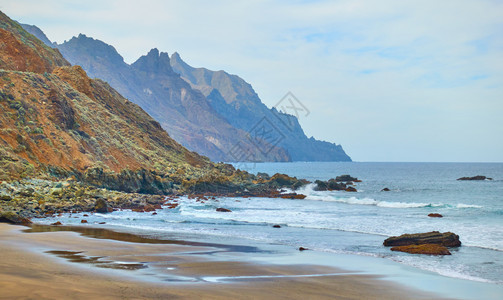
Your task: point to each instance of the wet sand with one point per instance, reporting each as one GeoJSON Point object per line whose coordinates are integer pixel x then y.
{"type": "Point", "coordinates": [66, 264]}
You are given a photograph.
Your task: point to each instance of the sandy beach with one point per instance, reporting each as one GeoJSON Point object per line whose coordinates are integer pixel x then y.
{"type": "Point", "coordinates": [63, 265]}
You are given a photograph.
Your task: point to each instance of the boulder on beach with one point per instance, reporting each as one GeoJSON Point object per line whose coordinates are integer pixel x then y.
{"type": "Point", "coordinates": [430, 249]}
{"type": "Point", "coordinates": [13, 218]}
{"type": "Point", "coordinates": [447, 239]}
{"type": "Point", "coordinates": [478, 177]}
{"type": "Point", "coordinates": [435, 215]}
{"type": "Point", "coordinates": [101, 206]}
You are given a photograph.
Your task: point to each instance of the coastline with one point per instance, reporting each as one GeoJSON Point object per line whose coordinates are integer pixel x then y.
{"type": "Point", "coordinates": [166, 270]}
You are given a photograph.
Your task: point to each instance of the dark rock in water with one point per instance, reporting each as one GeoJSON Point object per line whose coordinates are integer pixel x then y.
{"type": "Point", "coordinates": [13, 218]}
{"type": "Point", "coordinates": [101, 206]}
{"type": "Point", "coordinates": [221, 209]}
{"type": "Point", "coordinates": [282, 180]}
{"type": "Point", "coordinates": [302, 249]}
{"type": "Point", "coordinates": [83, 221]}
{"type": "Point", "coordinates": [447, 239]}
{"type": "Point", "coordinates": [350, 189]}
{"type": "Point", "coordinates": [293, 196]}
{"type": "Point", "coordinates": [385, 190]}
{"type": "Point", "coordinates": [276, 226]}
{"type": "Point", "coordinates": [478, 177]}
{"type": "Point", "coordinates": [101, 223]}
{"type": "Point", "coordinates": [430, 249]}
{"type": "Point", "coordinates": [435, 215]}
{"type": "Point", "coordinates": [57, 223]}
{"type": "Point", "coordinates": [330, 185]}
{"type": "Point", "coordinates": [345, 178]}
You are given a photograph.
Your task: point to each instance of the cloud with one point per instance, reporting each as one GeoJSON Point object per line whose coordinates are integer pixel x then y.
{"type": "Point", "coordinates": [389, 80]}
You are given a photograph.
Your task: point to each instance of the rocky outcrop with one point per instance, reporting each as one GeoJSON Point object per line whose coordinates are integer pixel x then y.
{"type": "Point", "coordinates": [340, 183]}
{"type": "Point", "coordinates": [478, 177]}
{"type": "Point", "coordinates": [101, 206]}
{"type": "Point", "coordinates": [430, 249]}
{"type": "Point", "coordinates": [447, 239]}
{"type": "Point", "coordinates": [13, 218]}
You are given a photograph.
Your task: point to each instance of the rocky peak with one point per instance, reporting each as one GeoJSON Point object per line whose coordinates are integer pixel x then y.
{"type": "Point", "coordinates": [154, 62]}
{"type": "Point", "coordinates": [92, 47]}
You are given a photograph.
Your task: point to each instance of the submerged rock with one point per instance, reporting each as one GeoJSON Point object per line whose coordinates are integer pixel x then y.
{"type": "Point", "coordinates": [435, 215]}
{"type": "Point", "coordinates": [385, 190]}
{"type": "Point", "coordinates": [303, 249]}
{"type": "Point", "coordinates": [293, 196]}
{"type": "Point", "coordinates": [221, 209]}
{"type": "Point", "coordinates": [447, 239]}
{"type": "Point", "coordinates": [478, 177]}
{"type": "Point", "coordinates": [276, 226]}
{"type": "Point", "coordinates": [431, 249]}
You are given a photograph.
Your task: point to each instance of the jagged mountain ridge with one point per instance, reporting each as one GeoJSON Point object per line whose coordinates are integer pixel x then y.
{"type": "Point", "coordinates": [229, 96]}
{"type": "Point", "coordinates": [235, 99]}
{"type": "Point", "coordinates": [56, 121]}
{"type": "Point", "coordinates": [151, 83]}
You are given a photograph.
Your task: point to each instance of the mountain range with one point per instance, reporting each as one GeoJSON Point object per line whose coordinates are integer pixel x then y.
{"type": "Point", "coordinates": [214, 113]}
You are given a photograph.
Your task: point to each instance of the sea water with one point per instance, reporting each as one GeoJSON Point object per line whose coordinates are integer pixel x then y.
{"type": "Point", "coordinates": [342, 222]}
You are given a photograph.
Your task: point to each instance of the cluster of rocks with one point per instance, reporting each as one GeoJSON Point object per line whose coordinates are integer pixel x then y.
{"type": "Point", "coordinates": [432, 243]}
{"type": "Point", "coordinates": [340, 183]}
{"type": "Point", "coordinates": [40, 198]}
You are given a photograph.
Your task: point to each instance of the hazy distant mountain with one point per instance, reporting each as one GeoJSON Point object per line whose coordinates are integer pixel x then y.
{"type": "Point", "coordinates": [151, 83]}
{"type": "Point", "coordinates": [236, 100]}
{"type": "Point", "coordinates": [213, 113]}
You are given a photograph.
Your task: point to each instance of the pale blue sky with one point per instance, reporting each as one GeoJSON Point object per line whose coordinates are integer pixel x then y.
{"type": "Point", "coordinates": [390, 80]}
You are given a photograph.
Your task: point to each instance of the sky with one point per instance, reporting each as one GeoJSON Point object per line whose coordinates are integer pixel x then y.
{"type": "Point", "coordinates": [389, 80]}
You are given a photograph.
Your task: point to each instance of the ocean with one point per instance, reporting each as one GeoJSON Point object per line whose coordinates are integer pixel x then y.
{"type": "Point", "coordinates": [341, 222]}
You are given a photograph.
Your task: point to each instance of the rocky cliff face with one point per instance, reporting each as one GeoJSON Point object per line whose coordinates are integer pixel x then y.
{"type": "Point", "coordinates": [56, 121]}
{"type": "Point", "coordinates": [236, 100]}
{"type": "Point", "coordinates": [151, 83]}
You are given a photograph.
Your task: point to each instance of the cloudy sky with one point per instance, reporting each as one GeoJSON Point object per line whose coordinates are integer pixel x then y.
{"type": "Point", "coordinates": [390, 80]}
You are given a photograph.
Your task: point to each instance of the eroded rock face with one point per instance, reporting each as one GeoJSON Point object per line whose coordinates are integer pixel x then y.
{"type": "Point", "coordinates": [430, 249]}
{"type": "Point", "coordinates": [447, 239]}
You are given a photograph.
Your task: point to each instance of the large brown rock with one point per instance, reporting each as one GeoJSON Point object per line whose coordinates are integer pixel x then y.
{"type": "Point", "coordinates": [447, 239]}
{"type": "Point", "coordinates": [13, 218]}
{"type": "Point", "coordinates": [431, 249]}
{"type": "Point", "coordinates": [101, 206]}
